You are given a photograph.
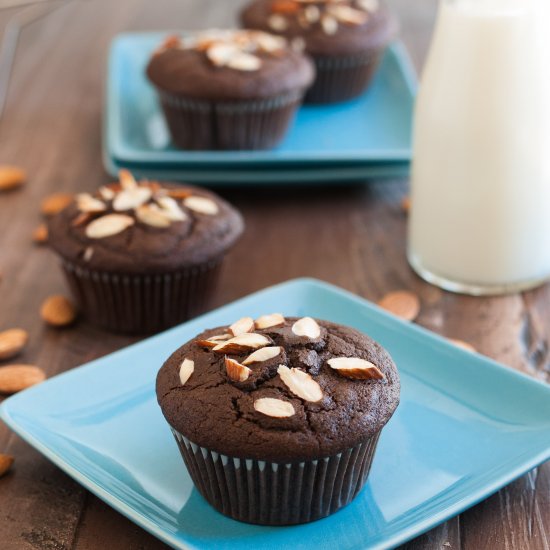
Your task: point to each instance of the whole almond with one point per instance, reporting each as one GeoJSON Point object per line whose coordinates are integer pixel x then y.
{"type": "Point", "coordinates": [406, 204]}
{"type": "Point", "coordinates": [402, 303]}
{"type": "Point", "coordinates": [14, 378]}
{"type": "Point", "coordinates": [58, 311]}
{"type": "Point", "coordinates": [11, 177]}
{"type": "Point", "coordinates": [12, 342]}
{"type": "Point", "coordinates": [462, 344]}
{"type": "Point", "coordinates": [40, 234]}
{"type": "Point", "coordinates": [6, 462]}
{"type": "Point", "coordinates": [53, 204]}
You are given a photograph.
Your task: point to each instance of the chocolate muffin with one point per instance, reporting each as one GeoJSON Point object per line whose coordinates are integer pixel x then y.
{"type": "Point", "coordinates": [278, 419]}
{"type": "Point", "coordinates": [229, 89]}
{"type": "Point", "coordinates": [141, 257]}
{"type": "Point", "coordinates": [345, 38]}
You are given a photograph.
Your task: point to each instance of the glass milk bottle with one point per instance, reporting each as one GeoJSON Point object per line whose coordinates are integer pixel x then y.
{"type": "Point", "coordinates": [480, 199]}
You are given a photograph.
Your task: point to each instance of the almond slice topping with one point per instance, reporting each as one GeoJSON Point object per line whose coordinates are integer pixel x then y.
{"type": "Point", "coordinates": [300, 383]}
{"type": "Point", "coordinates": [86, 203]}
{"type": "Point", "coordinates": [271, 320]}
{"type": "Point", "coordinates": [347, 14]}
{"type": "Point", "coordinates": [244, 342]}
{"type": "Point", "coordinates": [236, 371]}
{"type": "Point", "coordinates": [246, 324]}
{"type": "Point", "coordinates": [127, 180]}
{"type": "Point", "coordinates": [108, 225]}
{"type": "Point", "coordinates": [171, 209]}
{"type": "Point", "coordinates": [356, 368]}
{"type": "Point", "coordinates": [202, 205]}
{"type": "Point", "coordinates": [107, 194]}
{"type": "Point", "coordinates": [369, 5]}
{"type": "Point", "coordinates": [307, 327]}
{"type": "Point", "coordinates": [329, 24]}
{"type": "Point", "coordinates": [213, 341]}
{"type": "Point", "coordinates": [152, 216]}
{"type": "Point", "coordinates": [263, 354]}
{"type": "Point", "coordinates": [277, 408]}
{"type": "Point", "coordinates": [186, 370]}
{"type": "Point", "coordinates": [277, 22]}
{"type": "Point", "coordinates": [244, 62]}
{"type": "Point", "coordinates": [128, 199]}
{"type": "Point", "coordinates": [220, 54]}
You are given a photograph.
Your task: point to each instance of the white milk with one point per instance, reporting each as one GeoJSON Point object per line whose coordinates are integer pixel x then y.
{"type": "Point", "coordinates": [480, 216]}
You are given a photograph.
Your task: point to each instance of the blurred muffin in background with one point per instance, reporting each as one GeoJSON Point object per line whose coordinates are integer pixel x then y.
{"type": "Point", "coordinates": [229, 89]}
{"type": "Point", "coordinates": [345, 38]}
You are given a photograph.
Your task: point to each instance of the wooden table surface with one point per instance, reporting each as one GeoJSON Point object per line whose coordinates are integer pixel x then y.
{"type": "Point", "coordinates": [350, 236]}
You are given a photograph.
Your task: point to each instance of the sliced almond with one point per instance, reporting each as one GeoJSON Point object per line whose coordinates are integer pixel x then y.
{"type": "Point", "coordinates": [236, 371]}
{"type": "Point", "coordinates": [284, 6]}
{"type": "Point", "coordinates": [202, 205]}
{"type": "Point", "coordinates": [329, 24]}
{"type": "Point", "coordinates": [86, 203]}
{"type": "Point", "coordinates": [58, 311]}
{"type": "Point", "coordinates": [178, 193]}
{"type": "Point", "coordinates": [127, 180]}
{"type": "Point", "coordinates": [277, 22]}
{"type": "Point", "coordinates": [246, 324]}
{"type": "Point", "coordinates": [277, 408]}
{"type": "Point", "coordinates": [186, 370]}
{"type": "Point", "coordinates": [132, 198]}
{"type": "Point", "coordinates": [88, 254]}
{"type": "Point", "coordinates": [300, 383]}
{"type": "Point", "coordinates": [270, 43]}
{"type": "Point", "coordinates": [221, 53]}
{"type": "Point", "coordinates": [171, 209]}
{"type": "Point", "coordinates": [108, 225]}
{"type": "Point", "coordinates": [462, 344]}
{"type": "Point", "coordinates": [307, 327]}
{"type": "Point", "coordinates": [402, 303]}
{"type": "Point", "coordinates": [11, 177]}
{"type": "Point", "coordinates": [242, 343]}
{"type": "Point", "coordinates": [369, 5]}
{"type": "Point", "coordinates": [106, 193]}
{"type": "Point", "coordinates": [151, 214]}
{"type": "Point", "coordinates": [213, 341]}
{"type": "Point", "coordinates": [312, 14]}
{"type": "Point", "coordinates": [347, 14]}
{"type": "Point", "coordinates": [12, 342]}
{"type": "Point", "coordinates": [356, 368]}
{"type": "Point", "coordinates": [40, 234]}
{"type": "Point", "coordinates": [6, 462]}
{"type": "Point", "coordinates": [53, 204]}
{"type": "Point", "coordinates": [14, 378]}
{"type": "Point", "coordinates": [271, 320]}
{"type": "Point", "coordinates": [245, 62]}
{"type": "Point", "coordinates": [262, 354]}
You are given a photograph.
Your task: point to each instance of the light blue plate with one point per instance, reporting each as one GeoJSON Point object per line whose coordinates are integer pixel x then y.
{"type": "Point", "coordinates": [374, 128]}
{"type": "Point", "coordinates": [465, 427]}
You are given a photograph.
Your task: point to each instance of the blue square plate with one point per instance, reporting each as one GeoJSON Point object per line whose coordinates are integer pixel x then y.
{"type": "Point", "coordinates": [465, 427]}
{"type": "Point", "coordinates": [374, 128]}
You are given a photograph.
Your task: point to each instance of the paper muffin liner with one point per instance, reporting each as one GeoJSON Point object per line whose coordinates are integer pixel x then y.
{"type": "Point", "coordinates": [340, 78]}
{"type": "Point", "coordinates": [271, 493]}
{"type": "Point", "coordinates": [252, 124]}
{"type": "Point", "coordinates": [141, 304]}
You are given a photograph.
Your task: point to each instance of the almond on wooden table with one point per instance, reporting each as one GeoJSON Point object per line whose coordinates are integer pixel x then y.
{"type": "Point", "coordinates": [12, 342]}
{"type": "Point", "coordinates": [6, 462]}
{"type": "Point", "coordinates": [14, 378]}
{"type": "Point", "coordinates": [402, 303]}
{"type": "Point", "coordinates": [11, 177]}
{"type": "Point", "coordinates": [40, 234]}
{"type": "Point", "coordinates": [58, 311]}
{"type": "Point", "coordinates": [462, 344]}
{"type": "Point", "coordinates": [53, 204]}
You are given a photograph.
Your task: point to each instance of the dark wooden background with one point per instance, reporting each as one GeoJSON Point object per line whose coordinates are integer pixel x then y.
{"type": "Point", "coordinates": [350, 236]}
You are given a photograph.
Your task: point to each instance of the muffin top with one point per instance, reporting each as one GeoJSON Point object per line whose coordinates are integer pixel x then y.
{"type": "Point", "coordinates": [279, 389]}
{"type": "Point", "coordinates": [328, 27]}
{"type": "Point", "coordinates": [229, 65]}
{"type": "Point", "coordinates": [146, 227]}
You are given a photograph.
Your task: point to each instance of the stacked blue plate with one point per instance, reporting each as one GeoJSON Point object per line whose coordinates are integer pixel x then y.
{"type": "Point", "coordinates": [369, 137]}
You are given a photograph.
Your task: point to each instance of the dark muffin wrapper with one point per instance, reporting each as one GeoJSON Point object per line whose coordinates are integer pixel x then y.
{"type": "Point", "coordinates": [237, 125]}
{"type": "Point", "coordinates": [341, 78]}
{"type": "Point", "coordinates": [270, 493]}
{"type": "Point", "coordinates": [141, 303]}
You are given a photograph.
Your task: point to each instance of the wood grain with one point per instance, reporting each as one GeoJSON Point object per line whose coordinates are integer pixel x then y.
{"type": "Point", "coordinates": [352, 236]}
